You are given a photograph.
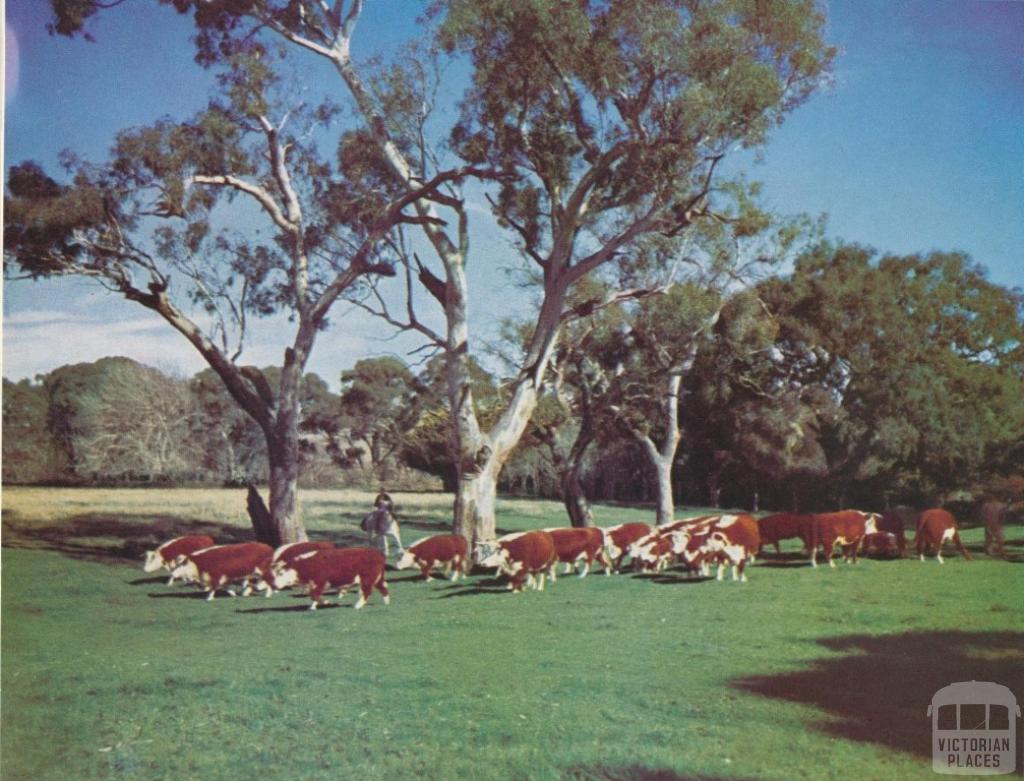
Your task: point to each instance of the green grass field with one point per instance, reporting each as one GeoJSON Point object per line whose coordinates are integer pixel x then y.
{"type": "Point", "coordinates": [109, 674]}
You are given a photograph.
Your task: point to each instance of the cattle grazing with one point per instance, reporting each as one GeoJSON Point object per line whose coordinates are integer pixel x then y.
{"type": "Point", "coordinates": [172, 553]}
{"type": "Point", "coordinates": [725, 540]}
{"type": "Point", "coordinates": [617, 540]}
{"type": "Point", "coordinates": [993, 516]}
{"type": "Point", "coordinates": [896, 520]}
{"type": "Point", "coordinates": [220, 566]}
{"type": "Point", "coordinates": [578, 546]}
{"type": "Point", "coordinates": [653, 552]}
{"type": "Point", "coordinates": [935, 527]}
{"type": "Point", "coordinates": [379, 525]}
{"type": "Point", "coordinates": [882, 543]}
{"type": "Point", "coordinates": [845, 528]}
{"type": "Point", "coordinates": [336, 569]}
{"type": "Point", "coordinates": [523, 557]}
{"type": "Point", "coordinates": [784, 526]}
{"type": "Point", "coordinates": [442, 549]}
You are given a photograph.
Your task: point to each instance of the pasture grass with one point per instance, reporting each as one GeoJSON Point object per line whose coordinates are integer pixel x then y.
{"type": "Point", "coordinates": [109, 674]}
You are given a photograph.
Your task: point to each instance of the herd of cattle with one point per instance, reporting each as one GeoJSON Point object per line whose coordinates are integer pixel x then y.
{"type": "Point", "coordinates": [527, 558]}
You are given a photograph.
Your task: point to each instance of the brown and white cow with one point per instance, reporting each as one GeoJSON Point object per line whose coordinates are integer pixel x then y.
{"type": "Point", "coordinates": [172, 553]}
{"type": "Point", "coordinates": [935, 527]}
{"type": "Point", "coordinates": [785, 526]}
{"type": "Point", "coordinates": [284, 555]}
{"type": "Point", "coordinates": [653, 552]}
{"type": "Point", "coordinates": [845, 528]}
{"type": "Point", "coordinates": [896, 520]}
{"type": "Point", "coordinates": [220, 566]}
{"type": "Point", "coordinates": [883, 543]}
{"type": "Point", "coordinates": [523, 557]}
{"type": "Point", "coordinates": [441, 549]}
{"type": "Point", "coordinates": [337, 569]}
{"type": "Point", "coordinates": [617, 540]}
{"type": "Point", "coordinates": [731, 539]}
{"type": "Point", "coordinates": [574, 546]}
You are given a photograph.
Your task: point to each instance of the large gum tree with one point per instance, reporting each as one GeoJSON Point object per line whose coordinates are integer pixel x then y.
{"type": "Point", "coordinates": [588, 124]}
{"type": "Point", "coordinates": [149, 225]}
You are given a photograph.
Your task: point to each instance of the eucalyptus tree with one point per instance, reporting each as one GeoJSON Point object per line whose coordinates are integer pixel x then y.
{"type": "Point", "coordinates": [153, 224]}
{"type": "Point", "coordinates": [913, 365]}
{"type": "Point", "coordinates": [589, 125]}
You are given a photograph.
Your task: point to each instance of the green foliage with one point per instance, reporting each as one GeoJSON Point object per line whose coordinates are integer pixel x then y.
{"type": "Point", "coordinates": [31, 454]}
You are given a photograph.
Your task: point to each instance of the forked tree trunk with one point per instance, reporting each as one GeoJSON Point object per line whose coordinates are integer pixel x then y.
{"type": "Point", "coordinates": [475, 499]}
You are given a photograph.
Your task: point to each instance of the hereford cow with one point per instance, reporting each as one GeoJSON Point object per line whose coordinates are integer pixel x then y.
{"type": "Point", "coordinates": [736, 539]}
{"type": "Point", "coordinates": [934, 527]}
{"type": "Point", "coordinates": [218, 567]}
{"type": "Point", "coordinates": [172, 553]}
{"type": "Point", "coordinates": [442, 549]}
{"type": "Point", "coordinates": [523, 557]}
{"type": "Point", "coordinates": [883, 543]}
{"type": "Point", "coordinates": [896, 520]}
{"type": "Point", "coordinates": [337, 569]}
{"type": "Point", "coordinates": [617, 540]}
{"type": "Point", "coordinates": [845, 528]}
{"type": "Point", "coordinates": [785, 526]}
{"type": "Point", "coordinates": [993, 516]}
{"type": "Point", "coordinates": [576, 546]}
{"type": "Point", "coordinates": [653, 552]}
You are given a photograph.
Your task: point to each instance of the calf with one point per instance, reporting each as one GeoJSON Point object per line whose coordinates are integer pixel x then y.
{"type": "Point", "coordinates": [217, 567]}
{"type": "Point", "coordinates": [934, 527]}
{"type": "Point", "coordinates": [522, 557]}
{"type": "Point", "coordinates": [172, 553]}
{"type": "Point", "coordinates": [784, 526]}
{"type": "Point", "coordinates": [573, 546]}
{"type": "Point", "coordinates": [617, 540]}
{"type": "Point", "coordinates": [844, 528]}
{"type": "Point", "coordinates": [446, 549]}
{"type": "Point", "coordinates": [337, 568]}
{"type": "Point", "coordinates": [993, 516]}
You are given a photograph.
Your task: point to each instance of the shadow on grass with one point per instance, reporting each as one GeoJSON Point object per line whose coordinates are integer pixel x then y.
{"type": "Point", "coordinates": [877, 690]}
{"type": "Point", "coordinates": [487, 586]}
{"type": "Point", "coordinates": [675, 579]}
{"type": "Point", "coordinates": [634, 773]}
{"type": "Point", "coordinates": [180, 595]}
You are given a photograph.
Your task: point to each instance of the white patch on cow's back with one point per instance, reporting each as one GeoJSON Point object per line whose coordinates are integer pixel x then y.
{"type": "Point", "coordinates": [948, 534]}
{"type": "Point", "coordinates": [725, 521]}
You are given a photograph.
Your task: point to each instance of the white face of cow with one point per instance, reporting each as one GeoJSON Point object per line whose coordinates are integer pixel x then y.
{"type": "Point", "coordinates": [285, 577]}
{"type": "Point", "coordinates": [406, 561]}
{"type": "Point", "coordinates": [498, 558]}
{"type": "Point", "coordinates": [679, 542]}
{"type": "Point", "coordinates": [187, 571]}
{"type": "Point", "coordinates": [643, 551]}
{"type": "Point", "coordinates": [871, 523]}
{"type": "Point", "coordinates": [154, 561]}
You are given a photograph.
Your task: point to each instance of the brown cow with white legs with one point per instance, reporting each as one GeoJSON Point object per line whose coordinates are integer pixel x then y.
{"type": "Point", "coordinates": [845, 528]}
{"type": "Point", "coordinates": [223, 565]}
{"type": "Point", "coordinates": [523, 557]}
{"type": "Point", "coordinates": [935, 527]}
{"type": "Point", "coordinates": [574, 546]}
{"type": "Point", "coordinates": [337, 569]}
{"type": "Point", "coordinates": [172, 553]}
{"type": "Point", "coordinates": [448, 550]}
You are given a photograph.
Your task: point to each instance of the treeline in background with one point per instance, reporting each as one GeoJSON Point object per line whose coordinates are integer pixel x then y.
{"type": "Point", "coordinates": [851, 381]}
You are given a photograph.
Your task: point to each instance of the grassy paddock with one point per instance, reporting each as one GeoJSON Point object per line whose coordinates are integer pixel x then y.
{"type": "Point", "coordinates": [109, 674]}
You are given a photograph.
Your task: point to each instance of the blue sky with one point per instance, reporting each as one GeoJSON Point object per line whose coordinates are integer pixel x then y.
{"type": "Point", "coordinates": [918, 145]}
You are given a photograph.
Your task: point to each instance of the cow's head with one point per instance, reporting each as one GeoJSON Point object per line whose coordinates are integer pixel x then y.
{"type": "Point", "coordinates": [154, 561]}
{"type": "Point", "coordinates": [645, 550]}
{"type": "Point", "coordinates": [186, 571]}
{"type": "Point", "coordinates": [407, 559]}
{"type": "Point", "coordinates": [871, 522]}
{"type": "Point", "coordinates": [283, 576]}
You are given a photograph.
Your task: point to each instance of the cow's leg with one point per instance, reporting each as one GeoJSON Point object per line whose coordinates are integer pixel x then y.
{"type": "Point", "coordinates": [743, 570]}
{"type": "Point", "coordinates": [540, 578]}
{"type": "Point", "coordinates": [721, 571]}
{"type": "Point", "coordinates": [382, 587]}
{"type": "Point", "coordinates": [425, 570]}
{"type": "Point", "coordinates": [316, 590]}
{"type": "Point", "coordinates": [960, 546]}
{"type": "Point", "coordinates": [553, 572]}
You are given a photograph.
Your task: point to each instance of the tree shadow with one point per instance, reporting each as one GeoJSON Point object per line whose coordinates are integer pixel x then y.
{"type": "Point", "coordinates": [879, 688]}
{"type": "Point", "coordinates": [634, 773]}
